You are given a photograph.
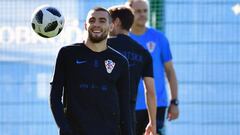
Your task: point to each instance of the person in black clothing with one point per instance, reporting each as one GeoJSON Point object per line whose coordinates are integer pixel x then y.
{"type": "Point", "coordinates": [93, 80]}
{"type": "Point", "coordinates": [140, 62]}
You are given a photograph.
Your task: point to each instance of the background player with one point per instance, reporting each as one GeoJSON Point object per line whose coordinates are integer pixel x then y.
{"type": "Point", "coordinates": [140, 61]}
{"type": "Point", "coordinates": [158, 45]}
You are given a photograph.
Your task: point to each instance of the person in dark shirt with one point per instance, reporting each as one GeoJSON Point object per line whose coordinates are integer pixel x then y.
{"type": "Point", "coordinates": [140, 62]}
{"type": "Point", "coordinates": [93, 80]}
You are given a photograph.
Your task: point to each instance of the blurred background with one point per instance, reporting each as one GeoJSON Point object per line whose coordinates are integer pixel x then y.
{"type": "Point", "coordinates": [204, 37]}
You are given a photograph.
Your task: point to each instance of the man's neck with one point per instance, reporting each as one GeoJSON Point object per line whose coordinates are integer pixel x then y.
{"type": "Point", "coordinates": [124, 32]}
{"type": "Point", "coordinates": [138, 30]}
{"type": "Point", "coordinates": [96, 47]}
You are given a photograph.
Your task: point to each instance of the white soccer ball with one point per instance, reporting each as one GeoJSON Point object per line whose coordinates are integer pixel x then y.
{"type": "Point", "coordinates": [47, 21]}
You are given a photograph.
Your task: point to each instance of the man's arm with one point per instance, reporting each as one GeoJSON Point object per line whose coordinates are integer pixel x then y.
{"type": "Point", "coordinates": [150, 98]}
{"type": "Point", "coordinates": [57, 86]}
{"type": "Point", "coordinates": [173, 111]}
{"type": "Point", "coordinates": [123, 88]}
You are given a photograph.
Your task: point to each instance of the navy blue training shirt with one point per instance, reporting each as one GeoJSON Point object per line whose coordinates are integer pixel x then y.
{"type": "Point", "coordinates": [95, 91]}
{"type": "Point", "coordinates": [140, 60]}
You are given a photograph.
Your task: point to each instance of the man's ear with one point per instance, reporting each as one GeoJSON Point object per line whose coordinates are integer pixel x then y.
{"type": "Point", "coordinates": [111, 26]}
{"type": "Point", "coordinates": [85, 26]}
{"type": "Point", "coordinates": [118, 22]}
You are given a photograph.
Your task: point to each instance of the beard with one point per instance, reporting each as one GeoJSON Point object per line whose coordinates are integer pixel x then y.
{"type": "Point", "coordinates": [97, 39]}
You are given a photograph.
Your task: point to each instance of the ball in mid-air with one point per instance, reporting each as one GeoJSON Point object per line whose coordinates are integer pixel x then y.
{"type": "Point", "coordinates": [47, 21]}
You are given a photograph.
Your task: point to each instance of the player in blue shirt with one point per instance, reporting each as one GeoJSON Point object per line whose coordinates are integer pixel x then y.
{"type": "Point", "coordinates": [158, 45]}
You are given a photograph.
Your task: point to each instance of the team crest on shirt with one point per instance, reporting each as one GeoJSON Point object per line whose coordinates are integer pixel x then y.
{"type": "Point", "coordinates": [109, 64]}
{"type": "Point", "coordinates": [151, 46]}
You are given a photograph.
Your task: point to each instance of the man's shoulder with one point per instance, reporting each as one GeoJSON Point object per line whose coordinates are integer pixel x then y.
{"type": "Point", "coordinates": [118, 40]}
{"type": "Point", "coordinates": [112, 41]}
{"type": "Point", "coordinates": [156, 34]}
{"type": "Point", "coordinates": [71, 47]}
{"type": "Point", "coordinates": [154, 31]}
{"type": "Point", "coordinates": [127, 43]}
{"type": "Point", "coordinates": [136, 44]}
{"type": "Point", "coordinates": [138, 47]}
{"type": "Point", "coordinates": [117, 54]}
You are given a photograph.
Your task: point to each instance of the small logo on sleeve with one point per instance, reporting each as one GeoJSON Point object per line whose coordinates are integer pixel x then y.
{"type": "Point", "coordinates": [109, 64]}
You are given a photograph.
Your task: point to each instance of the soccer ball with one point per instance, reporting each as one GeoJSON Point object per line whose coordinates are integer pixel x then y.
{"type": "Point", "coordinates": [47, 21]}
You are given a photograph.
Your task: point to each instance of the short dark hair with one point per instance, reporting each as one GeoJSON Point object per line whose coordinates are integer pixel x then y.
{"type": "Point", "coordinates": [124, 14]}
{"type": "Point", "coordinates": [105, 10]}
